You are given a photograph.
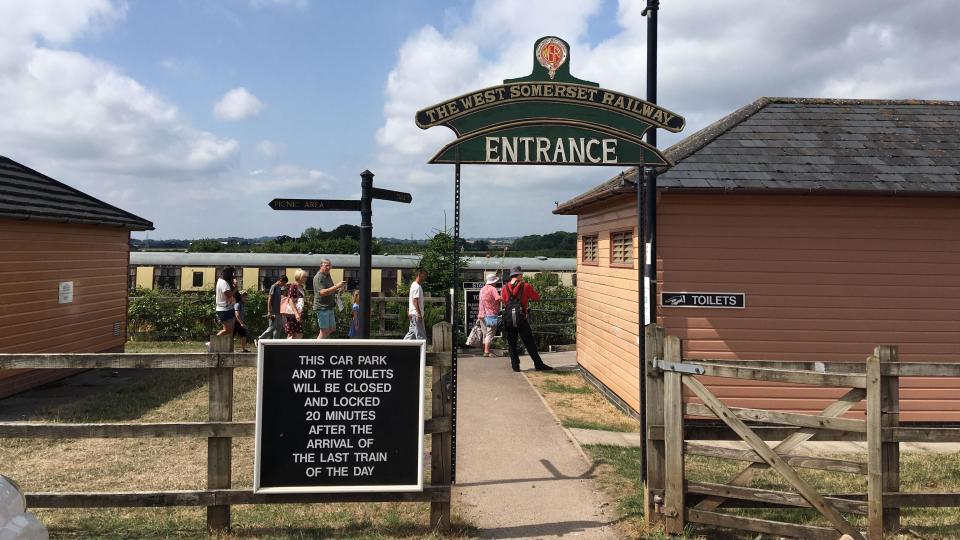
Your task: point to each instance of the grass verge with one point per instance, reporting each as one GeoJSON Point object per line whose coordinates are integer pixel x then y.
{"type": "Point", "coordinates": [167, 395]}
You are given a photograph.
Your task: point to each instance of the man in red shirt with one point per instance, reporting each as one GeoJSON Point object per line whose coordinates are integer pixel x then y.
{"type": "Point", "coordinates": [518, 288]}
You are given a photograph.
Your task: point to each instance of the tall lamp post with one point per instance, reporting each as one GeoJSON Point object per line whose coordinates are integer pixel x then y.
{"type": "Point", "coordinates": [647, 230]}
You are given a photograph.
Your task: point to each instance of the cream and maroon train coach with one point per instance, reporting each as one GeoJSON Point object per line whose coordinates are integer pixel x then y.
{"type": "Point", "coordinates": [833, 225]}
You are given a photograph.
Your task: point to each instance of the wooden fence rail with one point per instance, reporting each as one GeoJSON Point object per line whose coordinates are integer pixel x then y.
{"type": "Point", "coordinates": [219, 432]}
{"type": "Point", "coordinates": [675, 501]}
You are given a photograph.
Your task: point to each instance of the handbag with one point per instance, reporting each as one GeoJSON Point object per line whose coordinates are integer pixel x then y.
{"type": "Point", "coordinates": [287, 307]}
{"type": "Point", "coordinates": [476, 335]}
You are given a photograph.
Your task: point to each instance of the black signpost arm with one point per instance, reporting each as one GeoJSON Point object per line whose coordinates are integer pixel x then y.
{"type": "Point", "coordinates": [366, 237]}
{"type": "Point", "coordinates": [648, 269]}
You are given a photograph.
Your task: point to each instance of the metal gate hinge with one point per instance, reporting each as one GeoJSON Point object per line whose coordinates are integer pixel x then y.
{"type": "Point", "coordinates": [678, 367]}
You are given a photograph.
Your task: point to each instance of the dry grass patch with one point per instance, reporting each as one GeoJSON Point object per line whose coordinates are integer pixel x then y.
{"type": "Point", "coordinates": [918, 473]}
{"type": "Point", "coordinates": [163, 395]}
{"type": "Point", "coordinates": [578, 404]}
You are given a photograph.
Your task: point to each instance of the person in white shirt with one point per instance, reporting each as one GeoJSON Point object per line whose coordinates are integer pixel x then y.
{"type": "Point", "coordinates": [225, 301]}
{"type": "Point", "coordinates": [415, 312]}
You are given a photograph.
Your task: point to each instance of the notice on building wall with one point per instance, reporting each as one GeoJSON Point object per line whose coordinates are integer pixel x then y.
{"type": "Point", "coordinates": [339, 416]}
{"type": "Point", "coordinates": [703, 300]}
{"type": "Point", "coordinates": [66, 292]}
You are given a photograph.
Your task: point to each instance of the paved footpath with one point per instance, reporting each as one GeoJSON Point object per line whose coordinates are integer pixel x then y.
{"type": "Point", "coordinates": [518, 473]}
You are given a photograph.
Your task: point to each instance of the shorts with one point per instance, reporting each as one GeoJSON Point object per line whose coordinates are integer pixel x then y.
{"type": "Point", "coordinates": [226, 316]}
{"type": "Point", "coordinates": [326, 318]}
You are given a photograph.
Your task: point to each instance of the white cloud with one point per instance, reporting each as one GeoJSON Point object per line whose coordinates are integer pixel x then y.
{"type": "Point", "coordinates": [269, 149]}
{"type": "Point", "coordinates": [237, 104]}
{"type": "Point", "coordinates": [86, 123]}
{"type": "Point", "coordinates": [714, 57]}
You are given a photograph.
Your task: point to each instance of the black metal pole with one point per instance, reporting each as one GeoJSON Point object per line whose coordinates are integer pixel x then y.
{"type": "Point", "coordinates": [366, 237]}
{"type": "Point", "coordinates": [649, 223]}
{"type": "Point", "coordinates": [453, 306]}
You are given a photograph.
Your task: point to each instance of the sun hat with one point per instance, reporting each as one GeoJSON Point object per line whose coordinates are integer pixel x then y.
{"type": "Point", "coordinates": [515, 271]}
{"type": "Point", "coordinates": [492, 278]}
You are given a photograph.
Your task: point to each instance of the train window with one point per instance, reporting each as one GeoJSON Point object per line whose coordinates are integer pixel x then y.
{"type": "Point", "coordinates": [166, 277]}
{"type": "Point", "coordinates": [388, 281]}
{"type": "Point", "coordinates": [198, 279]}
{"type": "Point", "coordinates": [269, 275]}
{"type": "Point", "coordinates": [237, 274]}
{"type": "Point", "coordinates": [352, 277]}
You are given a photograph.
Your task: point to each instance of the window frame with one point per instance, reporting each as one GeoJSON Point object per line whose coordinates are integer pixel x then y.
{"type": "Point", "coordinates": [163, 274]}
{"type": "Point", "coordinates": [595, 261]}
{"type": "Point", "coordinates": [621, 264]}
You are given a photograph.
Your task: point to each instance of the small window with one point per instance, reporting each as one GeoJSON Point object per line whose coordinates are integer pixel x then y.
{"type": "Point", "coordinates": [132, 277]}
{"type": "Point", "coordinates": [621, 248]}
{"type": "Point", "coordinates": [591, 250]}
{"type": "Point", "coordinates": [198, 279]}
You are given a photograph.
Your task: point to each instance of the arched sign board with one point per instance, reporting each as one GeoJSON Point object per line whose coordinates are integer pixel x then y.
{"type": "Point", "coordinates": [338, 415]}
{"type": "Point", "coordinates": [549, 118]}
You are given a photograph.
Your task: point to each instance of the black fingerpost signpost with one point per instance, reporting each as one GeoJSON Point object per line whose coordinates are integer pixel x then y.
{"type": "Point", "coordinates": [339, 416]}
{"type": "Point", "coordinates": [364, 206]}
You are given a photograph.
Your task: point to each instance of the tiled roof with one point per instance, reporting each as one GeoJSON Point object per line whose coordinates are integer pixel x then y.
{"type": "Point", "coordinates": [28, 194]}
{"type": "Point", "coordinates": [813, 145]}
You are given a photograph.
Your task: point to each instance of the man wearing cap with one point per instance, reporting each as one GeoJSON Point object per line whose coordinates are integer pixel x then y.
{"type": "Point", "coordinates": [518, 288]}
{"type": "Point", "coordinates": [488, 310]}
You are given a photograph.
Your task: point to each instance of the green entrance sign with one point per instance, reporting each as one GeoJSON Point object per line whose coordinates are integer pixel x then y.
{"type": "Point", "coordinates": [549, 118]}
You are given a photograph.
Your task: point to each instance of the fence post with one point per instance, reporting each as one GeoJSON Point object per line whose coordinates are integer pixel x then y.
{"type": "Point", "coordinates": [874, 449]}
{"type": "Point", "coordinates": [890, 418]}
{"type": "Point", "coordinates": [440, 442]}
{"type": "Point", "coordinates": [673, 500]}
{"type": "Point", "coordinates": [653, 401]}
{"type": "Point", "coordinates": [218, 448]}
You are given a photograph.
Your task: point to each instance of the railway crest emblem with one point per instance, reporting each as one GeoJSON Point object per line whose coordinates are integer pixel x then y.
{"type": "Point", "coordinates": [551, 53]}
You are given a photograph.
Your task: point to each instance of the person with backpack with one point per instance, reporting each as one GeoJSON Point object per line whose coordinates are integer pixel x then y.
{"type": "Point", "coordinates": [516, 295]}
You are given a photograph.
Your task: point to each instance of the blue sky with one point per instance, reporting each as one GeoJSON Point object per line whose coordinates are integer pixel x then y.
{"type": "Point", "coordinates": [194, 114]}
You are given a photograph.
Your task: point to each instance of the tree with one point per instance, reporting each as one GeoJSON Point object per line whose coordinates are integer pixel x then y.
{"type": "Point", "coordinates": [207, 245]}
{"type": "Point", "coordinates": [437, 260]}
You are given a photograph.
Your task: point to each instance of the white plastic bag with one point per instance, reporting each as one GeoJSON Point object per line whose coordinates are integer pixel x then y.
{"type": "Point", "coordinates": [476, 335]}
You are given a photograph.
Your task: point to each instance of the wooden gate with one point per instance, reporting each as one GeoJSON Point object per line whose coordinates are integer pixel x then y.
{"type": "Point", "coordinates": [670, 495]}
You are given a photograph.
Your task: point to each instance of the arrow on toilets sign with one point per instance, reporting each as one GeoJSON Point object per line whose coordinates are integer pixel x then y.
{"type": "Point", "coordinates": [390, 195]}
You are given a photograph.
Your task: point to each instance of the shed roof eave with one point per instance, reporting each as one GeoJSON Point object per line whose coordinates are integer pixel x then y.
{"type": "Point", "coordinates": [580, 206]}
{"type": "Point", "coordinates": [148, 226]}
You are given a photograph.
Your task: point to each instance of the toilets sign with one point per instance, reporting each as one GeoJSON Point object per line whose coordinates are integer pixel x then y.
{"type": "Point", "coordinates": [549, 118]}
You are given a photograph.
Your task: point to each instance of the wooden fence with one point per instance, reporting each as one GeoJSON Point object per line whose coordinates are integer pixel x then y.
{"type": "Point", "coordinates": [676, 501]}
{"type": "Point", "coordinates": [219, 432]}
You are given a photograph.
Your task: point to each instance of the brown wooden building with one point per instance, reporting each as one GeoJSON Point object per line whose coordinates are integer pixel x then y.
{"type": "Point", "coordinates": [63, 271]}
{"type": "Point", "coordinates": [839, 220]}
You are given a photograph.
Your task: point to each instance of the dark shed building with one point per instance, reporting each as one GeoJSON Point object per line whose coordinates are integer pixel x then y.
{"type": "Point", "coordinates": [63, 271]}
{"type": "Point", "coordinates": [838, 219]}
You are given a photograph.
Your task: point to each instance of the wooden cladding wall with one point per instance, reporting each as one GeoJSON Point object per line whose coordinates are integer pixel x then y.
{"type": "Point", "coordinates": [826, 278]}
{"type": "Point", "coordinates": [607, 304]}
{"type": "Point", "coordinates": [37, 257]}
